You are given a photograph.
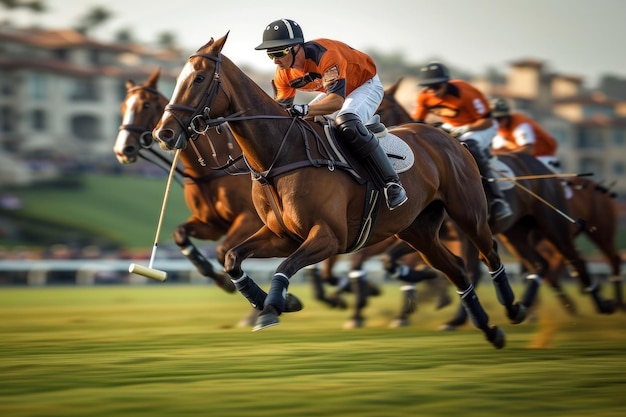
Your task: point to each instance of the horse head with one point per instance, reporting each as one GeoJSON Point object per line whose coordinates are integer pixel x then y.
{"type": "Point", "coordinates": [197, 95]}
{"type": "Point", "coordinates": [141, 110]}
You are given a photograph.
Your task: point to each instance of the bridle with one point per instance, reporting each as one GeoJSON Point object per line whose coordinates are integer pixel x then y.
{"type": "Point", "coordinates": [200, 115]}
{"type": "Point", "coordinates": [145, 133]}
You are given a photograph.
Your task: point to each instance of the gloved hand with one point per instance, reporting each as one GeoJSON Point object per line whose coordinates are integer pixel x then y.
{"type": "Point", "coordinates": [299, 110]}
{"type": "Point", "coordinates": [459, 131]}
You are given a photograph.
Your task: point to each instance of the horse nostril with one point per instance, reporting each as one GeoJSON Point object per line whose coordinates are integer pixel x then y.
{"type": "Point", "coordinates": [130, 150]}
{"type": "Point", "coordinates": [146, 139]}
{"type": "Point", "coordinates": [164, 134]}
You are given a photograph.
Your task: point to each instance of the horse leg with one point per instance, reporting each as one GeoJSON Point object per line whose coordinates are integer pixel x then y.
{"type": "Point", "coordinates": [359, 285]}
{"type": "Point", "coordinates": [423, 235]}
{"type": "Point", "coordinates": [341, 285]}
{"type": "Point", "coordinates": [262, 244]}
{"type": "Point", "coordinates": [409, 306]}
{"type": "Point", "coordinates": [556, 270]}
{"type": "Point", "coordinates": [190, 251]}
{"type": "Point", "coordinates": [320, 244]}
{"type": "Point", "coordinates": [565, 245]}
{"type": "Point", "coordinates": [312, 273]}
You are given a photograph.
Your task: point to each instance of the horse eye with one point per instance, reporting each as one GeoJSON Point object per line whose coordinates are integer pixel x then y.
{"type": "Point", "coordinates": [199, 79]}
{"type": "Point", "coordinates": [146, 105]}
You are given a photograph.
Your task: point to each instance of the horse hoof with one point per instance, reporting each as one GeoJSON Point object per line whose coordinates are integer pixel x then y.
{"type": "Point", "coordinates": [353, 324]}
{"type": "Point", "coordinates": [373, 290]}
{"type": "Point", "coordinates": [447, 327]}
{"type": "Point", "coordinates": [607, 307]}
{"type": "Point", "coordinates": [496, 337]}
{"type": "Point", "coordinates": [397, 323]}
{"type": "Point", "coordinates": [265, 320]}
{"type": "Point", "coordinates": [292, 303]}
{"type": "Point", "coordinates": [517, 314]}
{"type": "Point", "coordinates": [336, 302]}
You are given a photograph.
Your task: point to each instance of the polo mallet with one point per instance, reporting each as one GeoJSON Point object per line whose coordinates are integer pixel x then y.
{"type": "Point", "coordinates": [580, 222]}
{"type": "Point", "coordinates": [150, 272]}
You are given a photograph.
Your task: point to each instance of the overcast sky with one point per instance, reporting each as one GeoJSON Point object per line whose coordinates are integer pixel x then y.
{"type": "Point", "coordinates": [574, 37]}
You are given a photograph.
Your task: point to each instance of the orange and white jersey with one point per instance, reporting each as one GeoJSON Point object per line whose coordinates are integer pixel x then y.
{"type": "Point", "coordinates": [521, 131]}
{"type": "Point", "coordinates": [330, 67]}
{"type": "Point", "coordinates": [462, 104]}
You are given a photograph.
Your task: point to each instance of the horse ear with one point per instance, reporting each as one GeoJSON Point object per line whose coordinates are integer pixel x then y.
{"type": "Point", "coordinates": [154, 78]}
{"type": "Point", "coordinates": [394, 88]}
{"type": "Point", "coordinates": [219, 44]}
{"type": "Point", "coordinates": [129, 84]}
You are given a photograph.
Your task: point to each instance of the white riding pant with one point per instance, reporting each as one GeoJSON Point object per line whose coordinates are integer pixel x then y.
{"type": "Point", "coordinates": [482, 137]}
{"type": "Point", "coordinates": [363, 101]}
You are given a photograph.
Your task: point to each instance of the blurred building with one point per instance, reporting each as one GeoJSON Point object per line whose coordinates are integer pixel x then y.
{"type": "Point", "coordinates": [60, 96]}
{"type": "Point", "coordinates": [589, 126]}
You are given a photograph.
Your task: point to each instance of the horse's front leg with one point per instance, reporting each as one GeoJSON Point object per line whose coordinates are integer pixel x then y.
{"type": "Point", "coordinates": [319, 245]}
{"type": "Point", "coordinates": [200, 230]}
{"type": "Point", "coordinates": [262, 244]}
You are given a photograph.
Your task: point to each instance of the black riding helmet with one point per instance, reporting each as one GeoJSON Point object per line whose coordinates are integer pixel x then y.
{"type": "Point", "coordinates": [499, 108]}
{"type": "Point", "coordinates": [433, 74]}
{"type": "Point", "coordinates": [281, 34]}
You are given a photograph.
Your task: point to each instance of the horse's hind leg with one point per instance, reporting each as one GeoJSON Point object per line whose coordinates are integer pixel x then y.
{"type": "Point", "coordinates": [480, 235]}
{"type": "Point", "coordinates": [423, 236]}
{"type": "Point", "coordinates": [361, 287]}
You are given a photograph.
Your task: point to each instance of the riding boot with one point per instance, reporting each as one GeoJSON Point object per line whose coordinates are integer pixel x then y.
{"type": "Point", "coordinates": [379, 163]}
{"type": "Point", "coordinates": [366, 148]}
{"type": "Point", "coordinates": [498, 207]}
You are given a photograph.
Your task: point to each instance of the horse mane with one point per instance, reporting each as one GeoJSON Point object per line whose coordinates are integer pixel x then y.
{"type": "Point", "coordinates": [214, 48]}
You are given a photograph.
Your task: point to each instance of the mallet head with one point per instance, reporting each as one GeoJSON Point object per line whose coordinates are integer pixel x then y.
{"type": "Point", "coordinates": [147, 272]}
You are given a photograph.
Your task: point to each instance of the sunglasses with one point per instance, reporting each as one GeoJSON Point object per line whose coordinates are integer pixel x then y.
{"type": "Point", "coordinates": [434, 87]}
{"type": "Point", "coordinates": [279, 54]}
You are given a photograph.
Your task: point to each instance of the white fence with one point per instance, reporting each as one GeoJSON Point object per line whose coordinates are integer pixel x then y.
{"type": "Point", "coordinates": [90, 272]}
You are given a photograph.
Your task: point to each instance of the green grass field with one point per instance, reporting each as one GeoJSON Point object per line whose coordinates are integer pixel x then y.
{"type": "Point", "coordinates": [119, 209]}
{"type": "Point", "coordinates": [172, 350]}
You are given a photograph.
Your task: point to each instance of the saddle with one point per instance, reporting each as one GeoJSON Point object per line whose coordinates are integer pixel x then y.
{"type": "Point", "coordinates": [398, 152]}
{"type": "Point", "coordinates": [334, 154]}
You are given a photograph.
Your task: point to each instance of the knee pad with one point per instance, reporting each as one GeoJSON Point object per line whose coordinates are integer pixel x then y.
{"type": "Point", "coordinates": [353, 131]}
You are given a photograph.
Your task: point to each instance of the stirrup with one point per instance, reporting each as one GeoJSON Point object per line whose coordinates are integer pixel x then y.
{"type": "Point", "coordinates": [396, 197]}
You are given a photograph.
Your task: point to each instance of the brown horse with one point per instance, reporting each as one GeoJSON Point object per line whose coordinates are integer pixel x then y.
{"type": "Point", "coordinates": [312, 208]}
{"type": "Point", "coordinates": [220, 204]}
{"type": "Point", "coordinates": [593, 204]}
{"type": "Point", "coordinates": [589, 203]}
{"type": "Point", "coordinates": [214, 214]}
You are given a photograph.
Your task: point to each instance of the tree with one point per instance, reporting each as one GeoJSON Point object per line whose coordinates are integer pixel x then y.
{"type": "Point", "coordinates": [124, 36]}
{"type": "Point", "coordinates": [37, 6]}
{"type": "Point", "coordinates": [95, 17]}
{"type": "Point", "coordinates": [167, 40]}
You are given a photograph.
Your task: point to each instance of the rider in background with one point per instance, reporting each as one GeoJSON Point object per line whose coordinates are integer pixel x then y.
{"type": "Point", "coordinates": [349, 86]}
{"type": "Point", "coordinates": [466, 115]}
{"type": "Point", "coordinates": [519, 133]}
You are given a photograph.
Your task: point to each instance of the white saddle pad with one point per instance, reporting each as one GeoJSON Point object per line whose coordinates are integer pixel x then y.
{"type": "Point", "coordinates": [400, 154]}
